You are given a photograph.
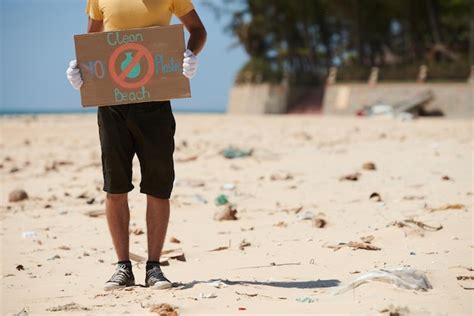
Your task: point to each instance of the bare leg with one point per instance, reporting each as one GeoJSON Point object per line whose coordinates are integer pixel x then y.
{"type": "Point", "coordinates": [157, 217]}
{"type": "Point", "coordinates": [118, 218]}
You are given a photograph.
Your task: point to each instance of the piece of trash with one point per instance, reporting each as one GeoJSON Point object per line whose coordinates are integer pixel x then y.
{"type": "Point", "coordinates": [281, 224]}
{"type": "Point", "coordinates": [396, 311]}
{"type": "Point", "coordinates": [319, 222]}
{"type": "Point", "coordinates": [23, 312]}
{"type": "Point", "coordinates": [446, 207]}
{"type": "Point", "coordinates": [176, 254]}
{"type": "Point", "coordinates": [137, 231]}
{"type": "Point", "coordinates": [305, 216]}
{"type": "Point", "coordinates": [95, 213]}
{"type": "Point", "coordinates": [445, 178]}
{"type": "Point", "coordinates": [369, 166]}
{"type": "Point", "coordinates": [228, 186]}
{"type": "Point", "coordinates": [187, 158]}
{"type": "Point", "coordinates": [404, 278]}
{"type": "Point", "coordinates": [246, 294]}
{"type": "Point", "coordinates": [64, 248]}
{"type": "Point", "coordinates": [207, 295]}
{"type": "Point", "coordinates": [226, 214]}
{"type": "Point", "coordinates": [199, 198]}
{"type": "Point", "coordinates": [67, 307]}
{"type": "Point", "coordinates": [231, 153]}
{"type": "Point", "coordinates": [365, 244]}
{"type": "Point", "coordinates": [17, 195]}
{"type": "Point", "coordinates": [306, 299]}
{"type": "Point", "coordinates": [164, 310]}
{"type": "Point", "coordinates": [242, 309]}
{"type": "Point", "coordinates": [29, 234]}
{"type": "Point", "coordinates": [221, 199]}
{"type": "Point", "coordinates": [244, 244]}
{"type": "Point", "coordinates": [464, 278]}
{"type": "Point", "coordinates": [375, 197]}
{"type": "Point", "coordinates": [218, 284]}
{"type": "Point", "coordinates": [350, 177]}
{"type": "Point", "coordinates": [20, 267]}
{"type": "Point", "coordinates": [281, 177]}
{"type": "Point", "coordinates": [175, 240]}
{"type": "Point", "coordinates": [414, 225]}
{"type": "Point", "coordinates": [219, 248]}
{"type": "Point", "coordinates": [54, 257]}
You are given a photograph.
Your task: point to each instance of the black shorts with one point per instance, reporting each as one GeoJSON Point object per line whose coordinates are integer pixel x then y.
{"type": "Point", "coordinates": [146, 129]}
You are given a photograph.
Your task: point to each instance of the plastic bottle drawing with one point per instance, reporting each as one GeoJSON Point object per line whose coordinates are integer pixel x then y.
{"type": "Point", "coordinates": [135, 72]}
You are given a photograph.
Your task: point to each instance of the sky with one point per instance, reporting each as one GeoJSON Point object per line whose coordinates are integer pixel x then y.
{"type": "Point", "coordinates": [36, 45]}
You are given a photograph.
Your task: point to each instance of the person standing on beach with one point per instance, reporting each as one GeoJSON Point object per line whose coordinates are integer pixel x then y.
{"type": "Point", "coordinates": [146, 129]}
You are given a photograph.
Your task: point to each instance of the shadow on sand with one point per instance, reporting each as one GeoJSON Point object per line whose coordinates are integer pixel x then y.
{"type": "Point", "coordinates": [283, 284]}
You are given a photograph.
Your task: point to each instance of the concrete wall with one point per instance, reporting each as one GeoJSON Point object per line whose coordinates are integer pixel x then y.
{"type": "Point", "coordinates": [454, 99]}
{"type": "Point", "coordinates": [258, 99]}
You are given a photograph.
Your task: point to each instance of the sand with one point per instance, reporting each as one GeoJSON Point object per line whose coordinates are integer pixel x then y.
{"type": "Point", "coordinates": [294, 172]}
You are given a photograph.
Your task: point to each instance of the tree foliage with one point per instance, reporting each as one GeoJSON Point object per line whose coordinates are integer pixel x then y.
{"type": "Point", "coordinates": [300, 39]}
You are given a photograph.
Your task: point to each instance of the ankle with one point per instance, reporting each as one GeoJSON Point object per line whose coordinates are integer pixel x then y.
{"type": "Point", "coordinates": [150, 264]}
{"type": "Point", "coordinates": [127, 263]}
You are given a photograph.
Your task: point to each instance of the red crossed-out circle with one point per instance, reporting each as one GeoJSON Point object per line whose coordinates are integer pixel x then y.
{"type": "Point", "coordinates": [119, 78]}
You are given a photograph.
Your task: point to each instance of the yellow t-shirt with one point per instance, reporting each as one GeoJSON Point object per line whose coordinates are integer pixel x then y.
{"type": "Point", "coordinates": [127, 14]}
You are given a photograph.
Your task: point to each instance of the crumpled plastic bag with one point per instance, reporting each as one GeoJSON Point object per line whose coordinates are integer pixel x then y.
{"type": "Point", "coordinates": [404, 278]}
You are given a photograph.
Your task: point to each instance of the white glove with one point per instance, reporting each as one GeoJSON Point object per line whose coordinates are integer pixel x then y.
{"type": "Point", "coordinates": [74, 75]}
{"type": "Point", "coordinates": [190, 64]}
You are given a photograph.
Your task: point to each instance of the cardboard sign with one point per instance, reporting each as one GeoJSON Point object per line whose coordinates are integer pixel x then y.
{"type": "Point", "coordinates": [132, 66]}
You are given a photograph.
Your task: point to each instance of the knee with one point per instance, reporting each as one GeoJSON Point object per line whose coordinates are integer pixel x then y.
{"type": "Point", "coordinates": [117, 197]}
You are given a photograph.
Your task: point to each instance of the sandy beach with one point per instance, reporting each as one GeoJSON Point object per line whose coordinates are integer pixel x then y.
{"type": "Point", "coordinates": [306, 223]}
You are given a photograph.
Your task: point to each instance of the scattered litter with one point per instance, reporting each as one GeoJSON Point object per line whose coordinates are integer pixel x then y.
{"type": "Point", "coordinates": [218, 284]}
{"type": "Point", "coordinates": [226, 214]}
{"type": "Point", "coordinates": [29, 234]}
{"type": "Point", "coordinates": [464, 278]}
{"type": "Point", "coordinates": [231, 153]}
{"type": "Point", "coordinates": [20, 267]}
{"type": "Point", "coordinates": [23, 312]}
{"type": "Point", "coordinates": [242, 309]}
{"type": "Point", "coordinates": [365, 244]}
{"type": "Point", "coordinates": [281, 176]}
{"type": "Point", "coordinates": [207, 295]}
{"type": "Point", "coordinates": [175, 240]}
{"type": "Point", "coordinates": [414, 226]}
{"type": "Point", "coordinates": [220, 248]}
{"type": "Point", "coordinates": [177, 254]}
{"type": "Point", "coordinates": [448, 207]}
{"type": "Point", "coordinates": [164, 310]}
{"type": "Point", "coordinates": [396, 311]}
{"type": "Point", "coordinates": [200, 199]}
{"type": "Point", "coordinates": [67, 307]}
{"type": "Point", "coordinates": [319, 222]}
{"type": "Point", "coordinates": [187, 158]}
{"type": "Point", "coordinates": [17, 195]}
{"type": "Point", "coordinates": [305, 216]}
{"type": "Point", "coordinates": [95, 213]}
{"type": "Point", "coordinates": [54, 257]}
{"type": "Point", "coordinates": [405, 278]}
{"type": "Point", "coordinates": [350, 177]}
{"type": "Point", "coordinates": [306, 299]}
{"type": "Point", "coordinates": [244, 244]}
{"type": "Point", "coordinates": [246, 294]}
{"type": "Point", "coordinates": [413, 197]}
{"type": "Point", "coordinates": [64, 248]}
{"type": "Point", "coordinates": [137, 231]}
{"type": "Point", "coordinates": [228, 186]}
{"type": "Point", "coordinates": [281, 224]}
{"type": "Point", "coordinates": [446, 178]}
{"type": "Point", "coordinates": [221, 199]}
{"type": "Point", "coordinates": [375, 197]}
{"type": "Point", "coordinates": [369, 166]}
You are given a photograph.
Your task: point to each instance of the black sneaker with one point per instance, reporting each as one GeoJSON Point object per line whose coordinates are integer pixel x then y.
{"type": "Point", "coordinates": [121, 278]}
{"type": "Point", "coordinates": [155, 279]}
